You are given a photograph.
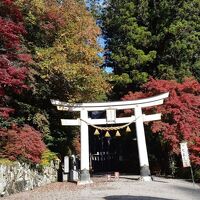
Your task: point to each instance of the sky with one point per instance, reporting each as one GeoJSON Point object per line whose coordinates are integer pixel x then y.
{"type": "Point", "coordinates": [101, 42]}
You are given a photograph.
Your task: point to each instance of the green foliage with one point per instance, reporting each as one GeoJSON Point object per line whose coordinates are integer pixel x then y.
{"type": "Point", "coordinates": [33, 115]}
{"type": "Point", "coordinates": [185, 173]}
{"type": "Point", "coordinates": [41, 122]}
{"type": "Point", "coordinates": [47, 157]}
{"type": "Point", "coordinates": [5, 161]}
{"type": "Point", "coordinates": [127, 43]}
{"type": "Point", "coordinates": [95, 7]}
{"type": "Point", "coordinates": [151, 38]}
{"type": "Point", "coordinates": [197, 174]}
{"type": "Point", "coordinates": [176, 38]}
{"type": "Point", "coordinates": [7, 123]}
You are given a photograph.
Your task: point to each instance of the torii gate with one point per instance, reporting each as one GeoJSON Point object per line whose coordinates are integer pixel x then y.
{"type": "Point", "coordinates": [110, 108]}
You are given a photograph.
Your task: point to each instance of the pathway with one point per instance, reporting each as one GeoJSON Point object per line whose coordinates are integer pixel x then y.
{"type": "Point", "coordinates": [126, 188]}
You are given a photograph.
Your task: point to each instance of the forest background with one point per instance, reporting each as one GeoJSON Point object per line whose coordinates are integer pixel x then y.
{"type": "Point", "coordinates": [49, 50]}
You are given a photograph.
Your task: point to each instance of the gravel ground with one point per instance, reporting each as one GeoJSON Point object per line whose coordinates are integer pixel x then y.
{"type": "Point", "coordinates": [126, 188]}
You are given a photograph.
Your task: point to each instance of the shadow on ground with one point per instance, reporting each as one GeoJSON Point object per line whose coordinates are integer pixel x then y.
{"type": "Point", "coordinates": [130, 197]}
{"type": "Point", "coordinates": [195, 191]}
{"type": "Point", "coordinates": [128, 178]}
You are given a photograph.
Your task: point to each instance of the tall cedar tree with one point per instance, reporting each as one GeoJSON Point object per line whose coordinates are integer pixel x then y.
{"type": "Point", "coordinates": [180, 114]}
{"type": "Point", "coordinates": [127, 42]}
{"type": "Point", "coordinates": [157, 38]}
{"type": "Point", "coordinates": [23, 142]}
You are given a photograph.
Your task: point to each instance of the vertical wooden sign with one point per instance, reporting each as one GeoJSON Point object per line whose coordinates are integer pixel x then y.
{"type": "Point", "coordinates": [185, 154]}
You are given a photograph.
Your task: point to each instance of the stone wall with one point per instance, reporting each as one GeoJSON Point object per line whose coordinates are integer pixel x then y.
{"type": "Point", "coordinates": [17, 177]}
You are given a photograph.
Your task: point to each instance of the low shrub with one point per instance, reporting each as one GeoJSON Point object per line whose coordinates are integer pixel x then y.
{"type": "Point", "coordinates": [47, 157]}
{"type": "Point", "coordinates": [22, 144]}
{"type": "Point", "coordinates": [197, 174]}
{"type": "Point", "coordinates": [5, 161]}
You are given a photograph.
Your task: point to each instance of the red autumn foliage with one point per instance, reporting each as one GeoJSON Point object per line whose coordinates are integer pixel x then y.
{"type": "Point", "coordinates": [16, 143]}
{"type": "Point", "coordinates": [10, 76]}
{"type": "Point", "coordinates": [180, 113]}
{"type": "Point", "coordinates": [25, 57]}
{"type": "Point", "coordinates": [10, 10]}
{"type": "Point", "coordinates": [21, 143]}
{"type": "Point", "coordinates": [13, 72]}
{"type": "Point", "coordinates": [52, 20]}
{"type": "Point", "coordinates": [10, 34]}
{"type": "Point", "coordinates": [5, 112]}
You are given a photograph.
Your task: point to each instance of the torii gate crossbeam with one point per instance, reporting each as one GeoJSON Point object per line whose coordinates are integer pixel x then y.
{"type": "Point", "coordinates": [138, 118]}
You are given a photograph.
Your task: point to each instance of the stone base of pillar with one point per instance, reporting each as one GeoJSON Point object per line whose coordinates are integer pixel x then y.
{"type": "Point", "coordinates": [84, 177]}
{"type": "Point", "coordinates": [84, 182]}
{"type": "Point", "coordinates": [145, 173]}
{"type": "Point", "coordinates": [145, 178]}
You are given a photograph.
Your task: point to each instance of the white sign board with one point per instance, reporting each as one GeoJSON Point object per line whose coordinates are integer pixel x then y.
{"type": "Point", "coordinates": [110, 115]}
{"type": "Point", "coordinates": [185, 154]}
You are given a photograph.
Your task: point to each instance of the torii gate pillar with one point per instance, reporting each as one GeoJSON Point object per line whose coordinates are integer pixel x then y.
{"type": "Point", "coordinates": [85, 175]}
{"type": "Point", "coordinates": [142, 147]}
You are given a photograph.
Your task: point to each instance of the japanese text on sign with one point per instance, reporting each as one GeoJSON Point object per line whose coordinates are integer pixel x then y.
{"type": "Point", "coordinates": [185, 154]}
